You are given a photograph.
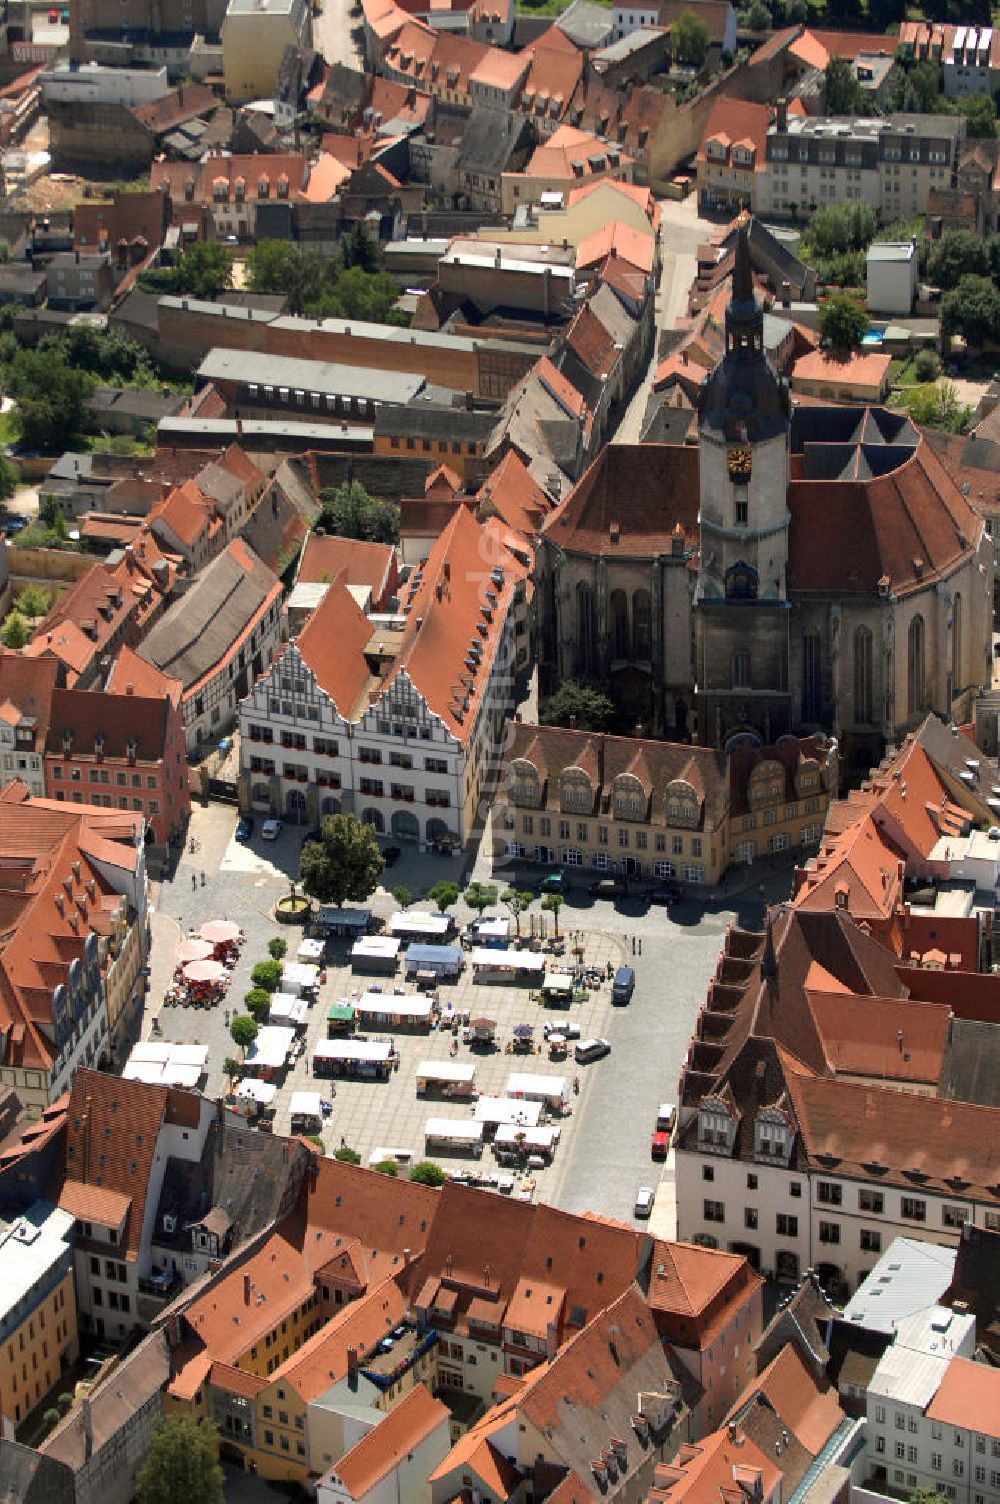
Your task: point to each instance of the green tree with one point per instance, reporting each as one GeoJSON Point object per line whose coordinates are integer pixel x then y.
{"type": "Point", "coordinates": [842, 94]}
{"type": "Point", "coordinates": [267, 974]}
{"type": "Point", "coordinates": [347, 1155]}
{"type": "Point", "coordinates": [927, 365]}
{"type": "Point", "coordinates": [273, 266]}
{"type": "Point", "coordinates": [48, 398]}
{"type": "Point", "coordinates": [980, 113]}
{"type": "Point", "coordinates": [580, 705]}
{"type": "Point", "coordinates": [244, 1031]}
{"type": "Point", "coordinates": [923, 92]}
{"type": "Point", "coordinates": [277, 948]}
{"type": "Point", "coordinates": [553, 902]}
{"type": "Point", "coordinates": [386, 1167]}
{"type": "Point", "coordinates": [972, 309]}
{"type": "Point", "coordinates": [183, 1464]}
{"type": "Point", "coordinates": [481, 896]}
{"type": "Point", "coordinates": [230, 1069]}
{"type": "Point", "coordinates": [426, 1172]}
{"type": "Point", "coordinates": [835, 229]}
{"type": "Point", "coordinates": [205, 269]}
{"type": "Point", "coordinates": [516, 900]}
{"type": "Point", "coordinates": [33, 601]}
{"type": "Point", "coordinates": [358, 249]}
{"type": "Point", "coordinates": [350, 512]}
{"type": "Point", "coordinates": [51, 1418]}
{"type": "Point", "coordinates": [15, 631]}
{"type": "Point", "coordinates": [937, 405]}
{"type": "Point", "coordinates": [403, 896]}
{"type": "Point", "coordinates": [10, 478]}
{"type": "Point", "coordinates": [689, 39]}
{"type": "Point", "coordinates": [444, 894]}
{"type": "Point", "coordinates": [959, 253]}
{"type": "Point", "coordinates": [345, 865]}
{"type": "Point", "coordinates": [842, 323]}
{"type": "Point", "coordinates": [258, 1003]}
{"type": "Point", "coordinates": [758, 16]}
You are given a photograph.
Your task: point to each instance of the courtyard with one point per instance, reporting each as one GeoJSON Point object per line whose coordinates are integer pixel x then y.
{"type": "Point", "coordinates": [603, 1152]}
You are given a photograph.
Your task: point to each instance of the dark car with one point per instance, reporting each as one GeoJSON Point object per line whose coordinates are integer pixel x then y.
{"type": "Point", "coordinates": [391, 855]}
{"type": "Point", "coordinates": [313, 835]}
{"type": "Point", "coordinates": [665, 893]}
{"type": "Point", "coordinates": [609, 887]}
{"type": "Point", "coordinates": [244, 828]}
{"type": "Point", "coordinates": [15, 524]}
{"type": "Point", "coordinates": [553, 882]}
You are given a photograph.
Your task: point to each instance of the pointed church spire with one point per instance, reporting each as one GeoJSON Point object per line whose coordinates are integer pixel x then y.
{"type": "Point", "coordinates": [742, 275]}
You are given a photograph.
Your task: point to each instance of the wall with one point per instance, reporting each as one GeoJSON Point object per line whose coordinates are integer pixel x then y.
{"type": "Point", "coordinates": [34, 1355]}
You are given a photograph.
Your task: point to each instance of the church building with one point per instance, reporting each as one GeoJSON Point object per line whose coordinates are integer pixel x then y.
{"type": "Point", "coordinates": [800, 568]}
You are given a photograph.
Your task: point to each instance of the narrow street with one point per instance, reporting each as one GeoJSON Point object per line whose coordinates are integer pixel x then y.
{"type": "Point", "coordinates": [681, 232]}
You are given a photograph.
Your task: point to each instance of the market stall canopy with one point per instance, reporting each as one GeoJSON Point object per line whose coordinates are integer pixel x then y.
{"type": "Point", "coordinates": [204, 971]}
{"type": "Point", "coordinates": [261, 1092]}
{"type": "Point", "coordinates": [193, 950]}
{"type": "Point", "coordinates": [340, 1013]}
{"type": "Point", "coordinates": [220, 932]}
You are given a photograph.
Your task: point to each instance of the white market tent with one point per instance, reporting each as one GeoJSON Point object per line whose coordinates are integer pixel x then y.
{"type": "Point", "coordinates": [181, 1075]}
{"type": "Point", "coordinates": [507, 960]}
{"type": "Point", "coordinates": [449, 1072]}
{"type": "Point", "coordinates": [148, 1071]}
{"type": "Point", "coordinates": [403, 1004]}
{"type": "Point", "coordinates": [491, 929]}
{"type": "Point", "coordinates": [269, 1050]}
{"type": "Point", "coordinates": [537, 1088]}
{"type": "Point", "coordinates": [305, 1104]}
{"type": "Point", "coordinates": [310, 951]}
{"type": "Point", "coordinates": [352, 1049]}
{"type": "Point", "coordinates": [261, 1092]}
{"type": "Point", "coordinates": [416, 922]}
{"type": "Point", "coordinates": [157, 1062]}
{"type": "Point", "coordinates": [298, 977]}
{"type": "Point", "coordinates": [375, 948]}
{"type": "Point", "coordinates": [558, 981]}
{"type": "Point", "coordinates": [508, 1112]}
{"type": "Point", "coordinates": [532, 1138]}
{"type": "Point", "coordinates": [151, 1049]}
{"type": "Point", "coordinates": [462, 1132]}
{"type": "Point", "coordinates": [286, 1009]}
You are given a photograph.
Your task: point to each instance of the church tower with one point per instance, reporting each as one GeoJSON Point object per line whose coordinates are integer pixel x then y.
{"type": "Point", "coordinates": [741, 606]}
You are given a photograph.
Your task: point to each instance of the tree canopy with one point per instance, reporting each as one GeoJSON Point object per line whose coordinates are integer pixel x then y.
{"type": "Point", "coordinates": [352, 285]}
{"type": "Point", "coordinates": [426, 1172]}
{"type": "Point", "coordinates": [972, 309]}
{"type": "Point", "coordinates": [842, 94]}
{"type": "Point", "coordinates": [349, 511]}
{"type": "Point", "coordinates": [957, 254]}
{"type": "Point", "coordinates": [202, 270]}
{"type": "Point", "coordinates": [444, 894]}
{"type": "Point", "coordinates": [182, 1465]}
{"type": "Point", "coordinates": [689, 39]}
{"type": "Point", "coordinates": [481, 896]}
{"type": "Point", "coordinates": [578, 704]}
{"type": "Point", "coordinates": [243, 1030]}
{"type": "Point", "coordinates": [842, 323]}
{"type": "Point", "coordinates": [344, 865]}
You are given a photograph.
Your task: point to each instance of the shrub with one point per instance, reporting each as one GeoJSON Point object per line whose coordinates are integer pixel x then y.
{"type": "Point", "coordinates": [926, 365]}
{"type": "Point", "coordinates": [267, 974]}
{"type": "Point", "coordinates": [278, 948]}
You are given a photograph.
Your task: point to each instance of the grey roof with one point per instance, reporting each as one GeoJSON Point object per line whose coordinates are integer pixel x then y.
{"type": "Point", "coordinates": [438, 422]}
{"type": "Point", "coordinates": [909, 1277]}
{"type": "Point", "coordinates": [395, 334]}
{"type": "Point", "coordinates": [489, 140]}
{"type": "Point", "coordinates": [200, 628]}
{"type": "Point", "coordinates": [970, 1071]}
{"type": "Point", "coordinates": [263, 433]}
{"type": "Point", "coordinates": [20, 279]}
{"type": "Point", "coordinates": [29, 1478]}
{"type": "Point", "coordinates": [619, 51]}
{"type": "Point", "coordinates": [149, 406]}
{"type": "Point", "coordinates": [613, 315]}
{"type": "Point", "coordinates": [892, 250]}
{"type": "Point", "coordinates": [322, 376]}
{"type": "Point", "coordinates": [586, 24]}
{"type": "Point", "coordinates": [139, 308]}
{"type": "Point", "coordinates": [221, 310]}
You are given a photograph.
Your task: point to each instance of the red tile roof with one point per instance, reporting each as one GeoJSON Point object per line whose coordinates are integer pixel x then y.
{"type": "Point", "coordinates": [630, 501]}
{"type": "Point", "coordinates": [26, 689]}
{"type": "Point", "coordinates": [371, 564]}
{"type": "Point", "coordinates": [617, 239]}
{"type": "Point", "coordinates": [857, 370]}
{"type": "Point", "coordinates": [686, 1279]}
{"type": "Point", "coordinates": [399, 1433]}
{"type": "Point", "coordinates": [332, 644]}
{"type": "Point", "coordinates": [968, 1398]}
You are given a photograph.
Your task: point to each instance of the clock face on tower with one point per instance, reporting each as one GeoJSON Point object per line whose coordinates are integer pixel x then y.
{"type": "Point", "coordinates": [739, 461]}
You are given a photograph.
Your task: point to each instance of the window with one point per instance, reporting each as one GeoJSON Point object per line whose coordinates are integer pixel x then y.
{"type": "Point", "coordinates": [900, 1451]}
{"type": "Point", "coordinates": [880, 1444]}
{"type": "Point", "coordinates": [871, 1240]}
{"type": "Point", "coordinates": [879, 1415]}
{"type": "Point", "coordinates": [741, 669]}
{"type": "Point", "coordinates": [751, 1182]}
{"type": "Point", "coordinates": [750, 1217]}
{"type": "Point", "coordinates": [828, 1193]}
{"type": "Point", "coordinates": [936, 1462]}
{"type": "Point", "coordinates": [954, 1216]}
{"type": "Point", "coordinates": [871, 1201]}
{"type": "Point", "coordinates": [829, 1232]}
{"type": "Point", "coordinates": [795, 1189]}
{"type": "Point", "coordinates": [786, 1226]}
{"type": "Point", "coordinates": [913, 1209]}
{"type": "Point", "coordinates": [715, 1211]}
{"type": "Point", "coordinates": [915, 667]}
{"type": "Point", "coordinates": [958, 1467]}
{"type": "Point", "coordinates": [708, 1172]}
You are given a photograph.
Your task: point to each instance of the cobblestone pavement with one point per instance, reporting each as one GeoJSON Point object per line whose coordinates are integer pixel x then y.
{"type": "Point", "coordinates": [603, 1155]}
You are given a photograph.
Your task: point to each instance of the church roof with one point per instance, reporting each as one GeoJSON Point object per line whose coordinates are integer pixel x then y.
{"type": "Point", "coordinates": [629, 502]}
{"type": "Point", "coordinates": [742, 397]}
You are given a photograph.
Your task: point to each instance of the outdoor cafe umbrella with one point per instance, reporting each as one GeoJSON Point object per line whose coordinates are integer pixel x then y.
{"type": "Point", "coordinates": [220, 932]}
{"type": "Point", "coordinates": [483, 1025]}
{"type": "Point", "coordinates": [193, 950]}
{"type": "Point", "coordinates": [204, 971]}
{"type": "Point", "coordinates": [523, 1031]}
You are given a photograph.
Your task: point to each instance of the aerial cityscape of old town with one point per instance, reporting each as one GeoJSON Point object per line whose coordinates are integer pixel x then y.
{"type": "Point", "coordinates": [499, 735]}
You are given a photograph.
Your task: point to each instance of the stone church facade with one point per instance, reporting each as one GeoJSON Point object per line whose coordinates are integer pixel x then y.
{"type": "Point", "coordinates": [798, 569]}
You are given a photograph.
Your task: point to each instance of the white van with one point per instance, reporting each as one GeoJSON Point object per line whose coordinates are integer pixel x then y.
{"type": "Point", "coordinates": [665, 1115]}
{"type": "Point", "coordinates": [402, 1157]}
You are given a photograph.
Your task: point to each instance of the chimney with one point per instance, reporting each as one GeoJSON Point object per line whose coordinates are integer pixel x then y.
{"type": "Point", "coordinates": [781, 114]}
{"type": "Point", "coordinates": [130, 689]}
{"type": "Point", "coordinates": [246, 1289]}
{"type": "Point", "coordinates": [352, 1367]}
{"type": "Point", "coordinates": [572, 723]}
{"type": "Point", "coordinates": [88, 1430]}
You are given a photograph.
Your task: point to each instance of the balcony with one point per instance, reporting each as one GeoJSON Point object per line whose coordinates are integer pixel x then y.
{"type": "Point", "coordinates": [156, 1292]}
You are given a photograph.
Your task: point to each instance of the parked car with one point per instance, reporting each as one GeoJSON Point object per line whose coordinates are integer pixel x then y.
{"type": "Point", "coordinates": [557, 1026]}
{"type": "Point", "coordinates": [270, 830]}
{"type": "Point", "coordinates": [665, 893]}
{"type": "Point", "coordinates": [244, 827]}
{"type": "Point", "coordinates": [609, 887]}
{"type": "Point", "coordinates": [391, 855]}
{"type": "Point", "coordinates": [315, 834]}
{"type": "Point", "coordinates": [660, 1145]}
{"type": "Point", "coordinates": [666, 1115]}
{"type": "Point", "coordinates": [591, 1049]}
{"type": "Point", "coordinates": [644, 1198]}
{"type": "Point", "coordinates": [553, 882]}
{"type": "Point", "coordinates": [623, 985]}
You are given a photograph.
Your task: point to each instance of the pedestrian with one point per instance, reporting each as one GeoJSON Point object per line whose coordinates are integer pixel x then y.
{"type": "Point", "coordinates": [194, 882]}
{"type": "Point", "coordinates": [203, 879]}
{"type": "Point", "coordinates": [633, 945]}
{"type": "Point", "coordinates": [343, 1142]}
{"type": "Point", "coordinates": [640, 945]}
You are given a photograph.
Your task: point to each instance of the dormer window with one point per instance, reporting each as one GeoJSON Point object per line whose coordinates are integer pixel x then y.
{"type": "Point", "coordinates": [630, 798]}
{"type": "Point", "coordinates": [716, 1128]}
{"type": "Point", "coordinates": [576, 791]}
{"type": "Point", "coordinates": [772, 1136]}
